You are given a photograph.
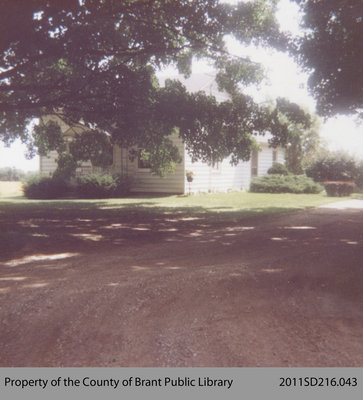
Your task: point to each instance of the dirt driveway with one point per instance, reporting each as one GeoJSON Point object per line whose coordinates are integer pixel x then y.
{"type": "Point", "coordinates": [284, 290]}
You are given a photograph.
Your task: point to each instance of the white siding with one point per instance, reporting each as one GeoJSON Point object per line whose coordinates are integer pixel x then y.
{"type": "Point", "coordinates": [228, 177]}
{"type": "Point", "coordinates": [281, 156]}
{"type": "Point", "coordinates": [207, 179]}
{"type": "Point", "coordinates": [48, 164]}
{"type": "Point", "coordinates": [86, 168]}
{"type": "Point", "coordinates": [143, 180]}
{"type": "Point", "coordinates": [265, 159]}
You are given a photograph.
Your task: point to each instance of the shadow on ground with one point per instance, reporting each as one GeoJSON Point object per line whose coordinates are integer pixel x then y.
{"type": "Point", "coordinates": [160, 287]}
{"type": "Point", "coordinates": [29, 228]}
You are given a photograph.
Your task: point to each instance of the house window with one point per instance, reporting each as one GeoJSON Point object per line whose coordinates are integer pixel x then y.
{"type": "Point", "coordinates": [141, 163]}
{"type": "Point", "coordinates": [254, 163]}
{"type": "Point", "coordinates": [274, 156]}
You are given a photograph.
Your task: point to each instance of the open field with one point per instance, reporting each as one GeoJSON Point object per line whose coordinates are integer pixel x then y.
{"type": "Point", "coordinates": [10, 189]}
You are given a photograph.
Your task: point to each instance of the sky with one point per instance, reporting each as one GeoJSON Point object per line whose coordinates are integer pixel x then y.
{"type": "Point", "coordinates": [285, 79]}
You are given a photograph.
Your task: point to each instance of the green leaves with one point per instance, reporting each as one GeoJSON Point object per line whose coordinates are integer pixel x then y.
{"type": "Point", "coordinates": [184, 63]}
{"type": "Point", "coordinates": [299, 132]}
{"type": "Point", "coordinates": [233, 73]}
{"type": "Point", "coordinates": [94, 146]}
{"type": "Point", "coordinates": [48, 137]}
{"type": "Point", "coordinates": [162, 158]}
{"type": "Point", "coordinates": [285, 184]}
{"type": "Point", "coordinates": [89, 145]}
{"type": "Point", "coordinates": [334, 167]}
{"type": "Point", "coordinates": [95, 62]}
{"type": "Point", "coordinates": [66, 166]}
{"type": "Point", "coordinates": [331, 51]}
{"type": "Point", "coordinates": [215, 131]}
{"type": "Point", "coordinates": [255, 22]}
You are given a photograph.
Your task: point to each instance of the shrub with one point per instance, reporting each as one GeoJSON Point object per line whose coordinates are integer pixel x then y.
{"type": "Point", "coordinates": [339, 188]}
{"type": "Point", "coordinates": [123, 185]}
{"type": "Point", "coordinates": [278, 169]}
{"type": "Point", "coordinates": [95, 186]}
{"type": "Point", "coordinates": [284, 184]}
{"type": "Point", "coordinates": [66, 167]}
{"type": "Point", "coordinates": [334, 167]}
{"type": "Point", "coordinates": [38, 186]}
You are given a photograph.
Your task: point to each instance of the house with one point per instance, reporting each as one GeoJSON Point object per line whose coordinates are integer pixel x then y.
{"type": "Point", "coordinates": [220, 177]}
{"type": "Point", "coordinates": [48, 163]}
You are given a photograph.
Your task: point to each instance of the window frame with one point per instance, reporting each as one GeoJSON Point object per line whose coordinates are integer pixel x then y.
{"type": "Point", "coordinates": [275, 155]}
{"type": "Point", "coordinates": [254, 164]}
{"type": "Point", "coordinates": [140, 166]}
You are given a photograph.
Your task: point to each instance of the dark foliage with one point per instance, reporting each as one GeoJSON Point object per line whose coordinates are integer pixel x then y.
{"type": "Point", "coordinates": [45, 187]}
{"type": "Point", "coordinates": [284, 184]}
{"type": "Point", "coordinates": [334, 167]}
{"type": "Point", "coordinates": [278, 169]}
{"type": "Point", "coordinates": [94, 62]}
{"type": "Point", "coordinates": [332, 51]}
{"type": "Point", "coordinates": [96, 186]}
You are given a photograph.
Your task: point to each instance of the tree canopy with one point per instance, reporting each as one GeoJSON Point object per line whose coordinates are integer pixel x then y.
{"type": "Point", "coordinates": [335, 166]}
{"type": "Point", "coordinates": [95, 62]}
{"type": "Point", "coordinates": [303, 142]}
{"type": "Point", "coordinates": [331, 50]}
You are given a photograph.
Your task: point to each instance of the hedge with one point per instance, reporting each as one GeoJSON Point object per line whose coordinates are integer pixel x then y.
{"type": "Point", "coordinates": [94, 186]}
{"type": "Point", "coordinates": [284, 184]}
{"type": "Point", "coordinates": [278, 169]}
{"type": "Point", "coordinates": [91, 186]}
{"type": "Point", "coordinates": [45, 187]}
{"type": "Point", "coordinates": [339, 188]}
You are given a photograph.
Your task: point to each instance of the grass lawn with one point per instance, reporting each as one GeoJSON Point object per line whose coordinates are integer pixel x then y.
{"type": "Point", "coordinates": [221, 207]}
{"type": "Point", "coordinates": [45, 225]}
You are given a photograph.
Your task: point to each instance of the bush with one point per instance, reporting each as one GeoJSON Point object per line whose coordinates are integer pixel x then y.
{"type": "Point", "coordinates": [278, 169]}
{"type": "Point", "coordinates": [123, 185]}
{"type": "Point", "coordinates": [284, 184]}
{"type": "Point", "coordinates": [45, 187]}
{"type": "Point", "coordinates": [94, 186]}
{"type": "Point", "coordinates": [334, 167]}
{"type": "Point", "coordinates": [339, 188]}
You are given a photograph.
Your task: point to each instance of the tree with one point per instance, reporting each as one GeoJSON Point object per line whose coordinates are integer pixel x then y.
{"type": "Point", "coordinates": [301, 136]}
{"type": "Point", "coordinates": [331, 50]}
{"type": "Point", "coordinates": [94, 62]}
{"type": "Point", "coordinates": [334, 166]}
{"type": "Point", "coordinates": [303, 145]}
